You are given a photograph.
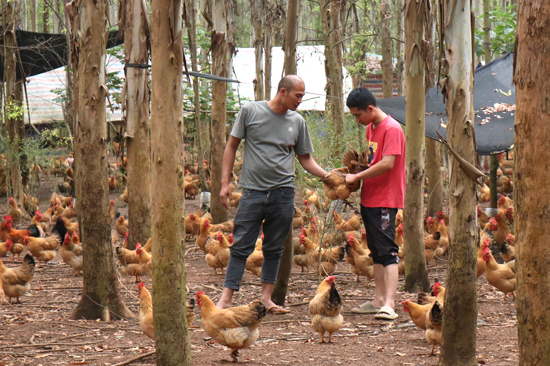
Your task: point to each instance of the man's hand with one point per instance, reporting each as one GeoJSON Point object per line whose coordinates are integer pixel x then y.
{"type": "Point", "coordinates": [351, 179]}
{"type": "Point", "coordinates": [225, 194]}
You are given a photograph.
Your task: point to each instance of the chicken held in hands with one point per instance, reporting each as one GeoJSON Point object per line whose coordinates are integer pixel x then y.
{"type": "Point", "coordinates": [17, 281]}
{"type": "Point", "coordinates": [334, 184]}
{"type": "Point", "coordinates": [235, 327]}
{"type": "Point", "coordinates": [325, 309]}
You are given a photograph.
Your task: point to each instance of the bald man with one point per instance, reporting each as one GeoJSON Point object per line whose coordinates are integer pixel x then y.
{"type": "Point", "coordinates": [273, 134]}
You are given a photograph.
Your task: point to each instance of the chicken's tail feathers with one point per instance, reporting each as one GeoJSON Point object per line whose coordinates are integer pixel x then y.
{"type": "Point", "coordinates": [259, 308]}
{"type": "Point", "coordinates": [423, 298]}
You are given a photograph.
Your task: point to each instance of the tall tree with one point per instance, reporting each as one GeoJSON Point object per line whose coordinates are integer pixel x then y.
{"type": "Point", "coordinates": [56, 24]}
{"type": "Point", "coordinates": [33, 5]}
{"type": "Point", "coordinates": [257, 14]}
{"type": "Point", "coordinates": [191, 7]}
{"type": "Point", "coordinates": [399, 46]}
{"type": "Point", "coordinates": [532, 127]}
{"type": "Point", "coordinates": [387, 63]}
{"type": "Point", "coordinates": [46, 18]}
{"type": "Point", "coordinates": [138, 127]}
{"type": "Point", "coordinates": [460, 310]}
{"type": "Point", "coordinates": [220, 67]}
{"type": "Point", "coordinates": [416, 275]}
{"type": "Point", "coordinates": [291, 34]}
{"type": "Point", "coordinates": [433, 152]}
{"type": "Point", "coordinates": [13, 109]}
{"type": "Point", "coordinates": [330, 19]}
{"type": "Point", "coordinates": [168, 231]}
{"type": "Point", "coordinates": [100, 295]}
{"type": "Point", "coordinates": [269, 11]}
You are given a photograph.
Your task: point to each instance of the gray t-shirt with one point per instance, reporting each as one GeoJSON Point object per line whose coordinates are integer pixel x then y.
{"type": "Point", "coordinates": [271, 140]}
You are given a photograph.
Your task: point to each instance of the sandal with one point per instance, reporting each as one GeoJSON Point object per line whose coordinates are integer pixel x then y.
{"type": "Point", "coordinates": [275, 309]}
{"type": "Point", "coordinates": [386, 313]}
{"type": "Point", "coordinates": [366, 308]}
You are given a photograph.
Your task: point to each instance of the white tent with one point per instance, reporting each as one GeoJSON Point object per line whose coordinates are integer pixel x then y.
{"type": "Point", "coordinates": [43, 107]}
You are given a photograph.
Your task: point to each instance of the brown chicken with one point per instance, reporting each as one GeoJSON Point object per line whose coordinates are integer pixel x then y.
{"type": "Point", "coordinates": [14, 211]}
{"type": "Point", "coordinates": [484, 193]}
{"type": "Point", "coordinates": [204, 235]}
{"type": "Point", "coordinates": [255, 260]}
{"type": "Point", "coordinates": [438, 292]}
{"type": "Point", "coordinates": [226, 227]}
{"type": "Point", "coordinates": [504, 202]}
{"type": "Point", "coordinates": [434, 325]}
{"type": "Point", "coordinates": [126, 256]}
{"type": "Point", "coordinates": [5, 248]}
{"type": "Point", "coordinates": [146, 311]}
{"type": "Point", "coordinates": [192, 225]}
{"type": "Point", "coordinates": [507, 252]}
{"type": "Point", "coordinates": [334, 184]}
{"type": "Point", "coordinates": [500, 228]}
{"type": "Point", "coordinates": [72, 255]}
{"type": "Point", "coordinates": [481, 264]}
{"type": "Point", "coordinates": [355, 162]}
{"type": "Point", "coordinates": [16, 248]}
{"type": "Point", "coordinates": [112, 210]}
{"type": "Point", "coordinates": [236, 327]}
{"type": "Point", "coordinates": [482, 216]}
{"type": "Point", "coordinates": [191, 189]}
{"type": "Point", "coordinates": [362, 264]}
{"type": "Point", "coordinates": [17, 281]}
{"type": "Point", "coordinates": [353, 224]}
{"type": "Point", "coordinates": [417, 312]}
{"type": "Point", "coordinates": [433, 225]}
{"type": "Point", "coordinates": [235, 199]}
{"type": "Point", "coordinates": [72, 227]}
{"type": "Point", "coordinates": [69, 212]}
{"type": "Point", "coordinates": [112, 184]}
{"type": "Point", "coordinates": [325, 309]}
{"type": "Point", "coordinates": [121, 225]}
{"type": "Point", "coordinates": [432, 241]}
{"type": "Point", "coordinates": [507, 186]}
{"type": "Point", "coordinates": [501, 276]}
{"type": "Point", "coordinates": [138, 269]}
{"type": "Point", "coordinates": [44, 249]}
{"type": "Point", "coordinates": [221, 257]}
{"type": "Point", "coordinates": [37, 221]}
{"type": "Point", "coordinates": [442, 216]}
{"type": "Point", "coordinates": [124, 196]}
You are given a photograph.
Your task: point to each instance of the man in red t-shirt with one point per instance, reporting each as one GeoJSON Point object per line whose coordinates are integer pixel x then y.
{"type": "Point", "coordinates": [382, 194]}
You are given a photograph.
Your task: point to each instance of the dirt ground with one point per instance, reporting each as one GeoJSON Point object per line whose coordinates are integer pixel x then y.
{"type": "Point", "coordinates": [38, 332]}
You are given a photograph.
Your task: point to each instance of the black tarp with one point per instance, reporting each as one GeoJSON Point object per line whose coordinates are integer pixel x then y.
{"type": "Point", "coordinates": [41, 52]}
{"type": "Point", "coordinates": [492, 84]}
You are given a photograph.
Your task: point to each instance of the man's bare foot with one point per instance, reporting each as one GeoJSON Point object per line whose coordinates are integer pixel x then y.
{"type": "Point", "coordinates": [223, 304]}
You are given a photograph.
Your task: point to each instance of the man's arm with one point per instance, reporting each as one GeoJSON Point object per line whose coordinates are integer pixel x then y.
{"type": "Point", "coordinates": [383, 166]}
{"type": "Point", "coordinates": [227, 167]}
{"type": "Point", "coordinates": [309, 164]}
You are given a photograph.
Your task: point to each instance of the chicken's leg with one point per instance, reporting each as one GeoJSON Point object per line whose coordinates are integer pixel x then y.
{"type": "Point", "coordinates": [322, 337]}
{"type": "Point", "coordinates": [330, 338]}
{"type": "Point", "coordinates": [235, 354]}
{"type": "Point", "coordinates": [433, 347]}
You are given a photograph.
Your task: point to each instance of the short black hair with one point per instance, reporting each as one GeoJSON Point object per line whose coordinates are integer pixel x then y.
{"type": "Point", "coordinates": [288, 82]}
{"type": "Point", "coordinates": [360, 98]}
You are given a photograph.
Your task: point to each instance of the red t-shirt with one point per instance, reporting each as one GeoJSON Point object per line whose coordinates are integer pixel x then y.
{"type": "Point", "coordinates": [387, 190]}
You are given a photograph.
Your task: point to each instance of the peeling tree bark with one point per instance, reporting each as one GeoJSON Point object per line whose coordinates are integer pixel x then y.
{"type": "Point", "coordinates": [167, 162]}
{"type": "Point", "coordinates": [136, 47]}
{"type": "Point", "coordinates": [531, 190]}
{"type": "Point", "coordinates": [460, 310]}
{"type": "Point", "coordinates": [416, 275]}
{"type": "Point", "coordinates": [268, 43]}
{"type": "Point", "coordinates": [100, 295]}
{"type": "Point", "coordinates": [220, 67]}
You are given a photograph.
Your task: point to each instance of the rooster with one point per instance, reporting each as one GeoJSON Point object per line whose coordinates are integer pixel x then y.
{"type": "Point", "coordinates": [236, 327]}
{"type": "Point", "coordinates": [17, 281]}
{"type": "Point", "coordinates": [8, 232]}
{"type": "Point", "coordinates": [434, 325]}
{"type": "Point", "coordinates": [325, 309]}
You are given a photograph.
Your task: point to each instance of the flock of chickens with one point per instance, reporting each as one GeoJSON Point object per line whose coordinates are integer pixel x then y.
{"type": "Point", "coordinates": [326, 241]}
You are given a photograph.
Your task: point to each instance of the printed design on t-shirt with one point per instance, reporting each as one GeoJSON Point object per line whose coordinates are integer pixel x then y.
{"type": "Point", "coordinates": [373, 146]}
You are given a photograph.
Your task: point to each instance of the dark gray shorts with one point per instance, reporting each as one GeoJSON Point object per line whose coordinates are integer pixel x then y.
{"type": "Point", "coordinates": [380, 227]}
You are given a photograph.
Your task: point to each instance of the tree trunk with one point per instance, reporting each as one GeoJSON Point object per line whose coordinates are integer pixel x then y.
{"type": "Point", "coordinates": [33, 5]}
{"type": "Point", "coordinates": [399, 46]}
{"type": "Point", "coordinates": [416, 275]}
{"type": "Point", "coordinates": [257, 18]}
{"type": "Point", "coordinates": [46, 19]}
{"type": "Point", "coordinates": [100, 295]}
{"type": "Point", "coordinates": [387, 64]}
{"type": "Point", "coordinates": [268, 43]}
{"type": "Point", "coordinates": [330, 18]}
{"type": "Point", "coordinates": [138, 127]}
{"type": "Point", "coordinates": [460, 310]}
{"type": "Point", "coordinates": [486, 31]}
{"type": "Point", "coordinates": [191, 7]}
{"type": "Point", "coordinates": [168, 231]}
{"type": "Point", "coordinates": [56, 20]}
{"type": "Point", "coordinates": [493, 180]}
{"type": "Point", "coordinates": [13, 110]}
{"type": "Point", "coordinates": [290, 41]}
{"type": "Point", "coordinates": [433, 154]}
{"type": "Point", "coordinates": [68, 107]}
{"type": "Point", "coordinates": [532, 214]}
{"type": "Point", "coordinates": [220, 67]}
{"type": "Point", "coordinates": [24, 19]}
{"type": "Point", "coordinates": [283, 275]}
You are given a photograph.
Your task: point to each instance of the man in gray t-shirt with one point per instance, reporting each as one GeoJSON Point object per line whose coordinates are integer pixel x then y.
{"type": "Point", "coordinates": [274, 133]}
